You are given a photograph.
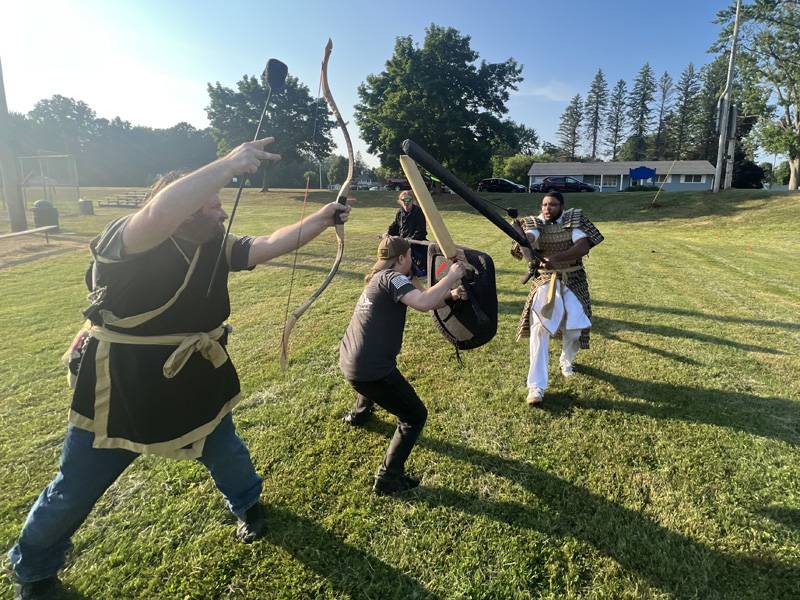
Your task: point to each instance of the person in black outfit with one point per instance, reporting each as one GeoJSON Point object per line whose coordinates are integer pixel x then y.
{"type": "Point", "coordinates": [409, 223]}
{"type": "Point", "coordinates": [368, 353]}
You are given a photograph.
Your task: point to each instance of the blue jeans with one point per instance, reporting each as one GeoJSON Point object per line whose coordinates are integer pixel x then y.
{"type": "Point", "coordinates": [86, 472]}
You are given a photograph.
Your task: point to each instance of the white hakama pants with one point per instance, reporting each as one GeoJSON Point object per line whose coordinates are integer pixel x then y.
{"type": "Point", "coordinates": [568, 317]}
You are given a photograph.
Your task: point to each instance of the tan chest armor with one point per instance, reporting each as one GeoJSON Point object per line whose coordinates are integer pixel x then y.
{"type": "Point", "coordinates": [555, 238]}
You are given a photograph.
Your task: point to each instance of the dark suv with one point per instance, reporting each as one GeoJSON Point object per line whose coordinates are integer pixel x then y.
{"type": "Point", "coordinates": [562, 184]}
{"type": "Point", "coordinates": [500, 185]}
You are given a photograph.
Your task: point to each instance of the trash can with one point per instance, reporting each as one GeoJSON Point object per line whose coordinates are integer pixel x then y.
{"type": "Point", "coordinates": [44, 214]}
{"type": "Point", "coordinates": [85, 207]}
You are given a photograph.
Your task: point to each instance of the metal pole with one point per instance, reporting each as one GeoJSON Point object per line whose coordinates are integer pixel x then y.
{"type": "Point", "coordinates": [731, 148]}
{"type": "Point", "coordinates": [725, 100]}
{"type": "Point", "coordinates": [8, 165]}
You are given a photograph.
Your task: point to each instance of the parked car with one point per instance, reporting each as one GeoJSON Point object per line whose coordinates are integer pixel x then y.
{"type": "Point", "coordinates": [401, 183]}
{"type": "Point", "coordinates": [562, 184]}
{"type": "Point", "coordinates": [497, 184]}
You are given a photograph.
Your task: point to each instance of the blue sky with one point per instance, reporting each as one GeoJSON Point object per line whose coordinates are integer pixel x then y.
{"type": "Point", "coordinates": [149, 61]}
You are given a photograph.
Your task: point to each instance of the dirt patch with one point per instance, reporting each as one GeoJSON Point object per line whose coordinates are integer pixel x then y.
{"type": "Point", "coordinates": [25, 249]}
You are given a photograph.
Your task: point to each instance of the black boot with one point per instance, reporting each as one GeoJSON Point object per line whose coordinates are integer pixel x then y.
{"type": "Point", "coordinates": [393, 484]}
{"type": "Point", "coordinates": [252, 527]}
{"type": "Point", "coordinates": [44, 589]}
{"type": "Point", "coordinates": [357, 419]}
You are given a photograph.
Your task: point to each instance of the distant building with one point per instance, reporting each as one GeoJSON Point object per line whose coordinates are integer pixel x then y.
{"type": "Point", "coordinates": [686, 175]}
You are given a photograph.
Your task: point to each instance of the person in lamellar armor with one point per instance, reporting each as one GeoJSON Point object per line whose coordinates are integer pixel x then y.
{"type": "Point", "coordinates": [559, 302]}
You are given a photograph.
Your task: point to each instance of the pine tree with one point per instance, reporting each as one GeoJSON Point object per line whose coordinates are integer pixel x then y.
{"type": "Point", "coordinates": [615, 118]}
{"type": "Point", "coordinates": [705, 137]}
{"type": "Point", "coordinates": [665, 92]}
{"type": "Point", "coordinates": [594, 110]}
{"type": "Point", "coordinates": [639, 110]}
{"type": "Point", "coordinates": [568, 130]}
{"type": "Point", "coordinates": [685, 115]}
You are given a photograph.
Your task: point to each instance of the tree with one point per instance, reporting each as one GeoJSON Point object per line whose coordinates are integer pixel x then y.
{"type": "Point", "coordinates": [337, 171]}
{"type": "Point", "coordinates": [639, 110]}
{"type": "Point", "coordinates": [665, 90]}
{"type": "Point", "coordinates": [594, 110]}
{"type": "Point", "coordinates": [569, 129]}
{"type": "Point", "coordinates": [615, 118]}
{"type": "Point", "coordinates": [686, 103]}
{"type": "Point", "coordinates": [72, 122]}
{"type": "Point", "coordinates": [782, 173]}
{"type": "Point", "coordinates": [769, 48]}
{"type": "Point", "coordinates": [705, 137]}
{"type": "Point", "coordinates": [440, 96]}
{"type": "Point", "coordinates": [527, 138]}
{"type": "Point", "coordinates": [516, 167]}
{"type": "Point", "coordinates": [292, 115]}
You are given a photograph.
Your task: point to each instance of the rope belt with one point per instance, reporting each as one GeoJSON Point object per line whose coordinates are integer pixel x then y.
{"type": "Point", "coordinates": [547, 309]}
{"type": "Point", "coordinates": [206, 343]}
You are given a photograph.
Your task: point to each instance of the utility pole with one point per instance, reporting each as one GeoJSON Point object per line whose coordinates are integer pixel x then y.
{"type": "Point", "coordinates": [8, 167]}
{"type": "Point", "coordinates": [725, 102]}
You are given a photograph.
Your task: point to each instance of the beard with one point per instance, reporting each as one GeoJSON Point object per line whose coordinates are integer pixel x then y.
{"type": "Point", "coordinates": [199, 228]}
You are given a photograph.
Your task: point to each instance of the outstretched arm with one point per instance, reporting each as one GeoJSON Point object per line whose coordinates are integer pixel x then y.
{"type": "Point", "coordinates": [164, 213]}
{"type": "Point", "coordinates": [291, 237]}
{"type": "Point", "coordinates": [435, 296]}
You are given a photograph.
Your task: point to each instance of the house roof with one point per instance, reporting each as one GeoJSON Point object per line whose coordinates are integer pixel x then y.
{"type": "Point", "coordinates": [681, 167]}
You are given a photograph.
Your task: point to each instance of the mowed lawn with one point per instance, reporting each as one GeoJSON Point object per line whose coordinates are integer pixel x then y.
{"type": "Point", "coordinates": [668, 467]}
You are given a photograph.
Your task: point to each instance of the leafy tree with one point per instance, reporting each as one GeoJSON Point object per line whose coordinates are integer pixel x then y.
{"type": "Point", "coordinates": [516, 168]}
{"type": "Point", "coordinates": [440, 96]}
{"type": "Point", "coordinates": [594, 110]}
{"type": "Point", "coordinates": [639, 110]}
{"type": "Point", "coordinates": [686, 104]}
{"type": "Point", "coordinates": [615, 118]}
{"type": "Point", "coordinates": [705, 137]}
{"type": "Point", "coordinates": [291, 119]}
{"type": "Point", "coordinates": [527, 138]}
{"type": "Point", "coordinates": [569, 128]}
{"type": "Point", "coordinates": [770, 47]}
{"type": "Point", "coordinates": [782, 173]}
{"type": "Point", "coordinates": [337, 171]}
{"type": "Point", "coordinates": [665, 91]}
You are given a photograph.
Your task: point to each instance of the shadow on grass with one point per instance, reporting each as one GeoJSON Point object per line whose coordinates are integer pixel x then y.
{"type": "Point", "coordinates": [604, 325]}
{"type": "Point", "coordinates": [348, 569]}
{"type": "Point", "coordinates": [790, 517]}
{"type": "Point", "coordinates": [669, 560]}
{"type": "Point", "coordinates": [775, 418]}
{"type": "Point", "coordinates": [682, 312]}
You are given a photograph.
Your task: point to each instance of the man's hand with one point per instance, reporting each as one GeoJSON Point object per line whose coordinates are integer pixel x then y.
{"type": "Point", "coordinates": [459, 293]}
{"type": "Point", "coordinates": [247, 157]}
{"type": "Point", "coordinates": [455, 273]}
{"type": "Point", "coordinates": [330, 210]}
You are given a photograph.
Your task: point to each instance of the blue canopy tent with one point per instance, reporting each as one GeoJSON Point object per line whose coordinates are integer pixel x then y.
{"type": "Point", "coordinates": [642, 173]}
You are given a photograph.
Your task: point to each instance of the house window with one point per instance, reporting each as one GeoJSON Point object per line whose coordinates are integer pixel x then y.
{"type": "Point", "coordinates": [593, 179]}
{"type": "Point", "coordinates": [610, 181]}
{"type": "Point", "coordinates": [693, 179]}
{"type": "Point", "coordinates": [661, 178]}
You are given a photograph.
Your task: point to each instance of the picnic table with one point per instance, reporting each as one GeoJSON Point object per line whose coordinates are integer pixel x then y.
{"type": "Point", "coordinates": [125, 200]}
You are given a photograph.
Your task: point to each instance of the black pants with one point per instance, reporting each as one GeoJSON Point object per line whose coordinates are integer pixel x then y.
{"type": "Point", "coordinates": [395, 395]}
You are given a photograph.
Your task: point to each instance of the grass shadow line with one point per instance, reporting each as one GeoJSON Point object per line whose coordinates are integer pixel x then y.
{"type": "Point", "coordinates": [349, 570]}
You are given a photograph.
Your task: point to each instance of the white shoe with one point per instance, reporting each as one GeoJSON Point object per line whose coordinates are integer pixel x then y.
{"type": "Point", "coordinates": [566, 371]}
{"type": "Point", "coordinates": [535, 396]}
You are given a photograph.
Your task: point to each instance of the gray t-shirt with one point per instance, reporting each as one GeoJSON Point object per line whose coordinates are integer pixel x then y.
{"type": "Point", "coordinates": [374, 337]}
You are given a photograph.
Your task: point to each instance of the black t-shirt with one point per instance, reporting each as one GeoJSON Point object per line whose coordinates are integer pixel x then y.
{"type": "Point", "coordinates": [411, 225]}
{"type": "Point", "coordinates": [374, 337]}
{"type": "Point", "coordinates": [137, 283]}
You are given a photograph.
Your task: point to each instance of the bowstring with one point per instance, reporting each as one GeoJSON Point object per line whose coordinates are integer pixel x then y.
{"type": "Point", "coordinates": [302, 212]}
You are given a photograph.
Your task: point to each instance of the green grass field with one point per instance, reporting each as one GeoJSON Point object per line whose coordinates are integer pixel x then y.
{"type": "Point", "coordinates": [669, 467]}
